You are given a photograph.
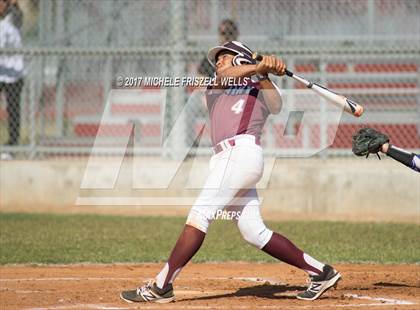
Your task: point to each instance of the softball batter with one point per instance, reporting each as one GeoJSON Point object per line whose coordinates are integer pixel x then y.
{"type": "Point", "coordinates": [237, 116]}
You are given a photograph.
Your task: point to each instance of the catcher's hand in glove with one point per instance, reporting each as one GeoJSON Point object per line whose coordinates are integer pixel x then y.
{"type": "Point", "coordinates": [368, 141]}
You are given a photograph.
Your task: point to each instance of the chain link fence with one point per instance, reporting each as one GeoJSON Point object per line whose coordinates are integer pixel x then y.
{"type": "Point", "coordinates": [76, 52]}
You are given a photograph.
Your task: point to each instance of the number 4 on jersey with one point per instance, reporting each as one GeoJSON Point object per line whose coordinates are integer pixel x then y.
{"type": "Point", "coordinates": [238, 107]}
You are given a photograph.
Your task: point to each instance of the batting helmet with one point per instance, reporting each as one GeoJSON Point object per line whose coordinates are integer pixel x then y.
{"type": "Point", "coordinates": [243, 53]}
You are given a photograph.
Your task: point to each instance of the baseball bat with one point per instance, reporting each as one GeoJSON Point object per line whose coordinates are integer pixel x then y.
{"type": "Point", "coordinates": [339, 100]}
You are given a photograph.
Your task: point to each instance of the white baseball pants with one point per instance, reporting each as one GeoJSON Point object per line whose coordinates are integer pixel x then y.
{"type": "Point", "coordinates": [234, 172]}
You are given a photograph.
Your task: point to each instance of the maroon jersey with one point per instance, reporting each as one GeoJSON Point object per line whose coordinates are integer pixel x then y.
{"type": "Point", "coordinates": [236, 110]}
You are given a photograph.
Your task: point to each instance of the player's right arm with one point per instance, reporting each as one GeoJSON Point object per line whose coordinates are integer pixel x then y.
{"type": "Point", "coordinates": [269, 64]}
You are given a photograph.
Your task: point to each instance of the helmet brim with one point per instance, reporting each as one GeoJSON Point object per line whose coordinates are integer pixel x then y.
{"type": "Point", "coordinates": [211, 55]}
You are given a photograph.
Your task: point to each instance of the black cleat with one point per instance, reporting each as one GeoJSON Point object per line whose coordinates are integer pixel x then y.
{"type": "Point", "coordinates": [149, 293]}
{"type": "Point", "coordinates": [321, 283]}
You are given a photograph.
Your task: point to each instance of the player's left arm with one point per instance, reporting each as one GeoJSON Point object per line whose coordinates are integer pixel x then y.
{"type": "Point", "coordinates": [409, 159]}
{"type": "Point", "coordinates": [272, 96]}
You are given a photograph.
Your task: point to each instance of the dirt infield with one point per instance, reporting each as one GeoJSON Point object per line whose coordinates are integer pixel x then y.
{"type": "Point", "coordinates": [207, 286]}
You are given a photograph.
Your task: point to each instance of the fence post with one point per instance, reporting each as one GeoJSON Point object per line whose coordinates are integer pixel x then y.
{"type": "Point", "coordinates": [177, 69]}
{"type": "Point", "coordinates": [60, 72]}
{"type": "Point", "coordinates": [33, 96]}
{"type": "Point", "coordinates": [371, 19]}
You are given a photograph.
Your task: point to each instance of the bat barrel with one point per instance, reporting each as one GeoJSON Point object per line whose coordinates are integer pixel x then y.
{"type": "Point", "coordinates": [349, 106]}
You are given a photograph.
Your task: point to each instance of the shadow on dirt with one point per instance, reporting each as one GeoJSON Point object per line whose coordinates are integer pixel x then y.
{"type": "Point", "coordinates": [261, 291]}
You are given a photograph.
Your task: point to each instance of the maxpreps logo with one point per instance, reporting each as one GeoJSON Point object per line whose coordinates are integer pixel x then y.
{"type": "Point", "coordinates": [227, 215]}
{"type": "Point", "coordinates": [305, 126]}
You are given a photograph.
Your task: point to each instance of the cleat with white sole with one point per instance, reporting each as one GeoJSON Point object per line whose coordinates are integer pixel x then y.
{"type": "Point", "coordinates": [320, 284]}
{"type": "Point", "coordinates": [149, 293]}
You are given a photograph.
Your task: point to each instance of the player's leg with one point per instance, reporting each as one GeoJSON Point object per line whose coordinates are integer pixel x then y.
{"type": "Point", "coordinates": [322, 276]}
{"type": "Point", "coordinates": [161, 290]}
{"type": "Point", "coordinates": [189, 242]}
{"type": "Point", "coordinates": [222, 185]}
{"type": "Point", "coordinates": [254, 231]}
{"type": "Point", "coordinates": [226, 178]}
{"type": "Point", "coordinates": [249, 221]}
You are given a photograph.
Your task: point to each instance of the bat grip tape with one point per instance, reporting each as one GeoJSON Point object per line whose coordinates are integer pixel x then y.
{"type": "Point", "coordinates": [289, 73]}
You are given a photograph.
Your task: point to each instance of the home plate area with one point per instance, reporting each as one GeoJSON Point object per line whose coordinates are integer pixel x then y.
{"type": "Point", "coordinates": [207, 286]}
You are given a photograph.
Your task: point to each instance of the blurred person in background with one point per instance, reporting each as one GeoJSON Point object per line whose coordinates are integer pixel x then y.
{"type": "Point", "coordinates": [11, 65]}
{"type": "Point", "coordinates": [228, 31]}
{"type": "Point", "coordinates": [14, 14]}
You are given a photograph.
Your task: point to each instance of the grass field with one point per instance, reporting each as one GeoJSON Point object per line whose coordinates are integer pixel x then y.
{"type": "Point", "coordinates": [44, 238]}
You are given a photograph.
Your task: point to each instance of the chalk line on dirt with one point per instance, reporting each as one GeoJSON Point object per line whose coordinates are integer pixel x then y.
{"type": "Point", "coordinates": [376, 301]}
{"type": "Point", "coordinates": [172, 306]}
{"type": "Point", "coordinates": [82, 306]}
{"type": "Point", "coordinates": [383, 300]}
{"type": "Point", "coordinates": [250, 279]}
{"type": "Point", "coordinates": [66, 279]}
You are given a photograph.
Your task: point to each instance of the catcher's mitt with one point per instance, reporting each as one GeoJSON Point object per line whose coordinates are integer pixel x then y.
{"type": "Point", "coordinates": [367, 141]}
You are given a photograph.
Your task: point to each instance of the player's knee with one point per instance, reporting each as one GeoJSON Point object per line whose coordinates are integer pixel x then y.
{"type": "Point", "coordinates": [254, 232]}
{"type": "Point", "coordinates": [199, 219]}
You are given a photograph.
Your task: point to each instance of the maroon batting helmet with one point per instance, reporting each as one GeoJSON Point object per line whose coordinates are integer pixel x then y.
{"type": "Point", "coordinates": [243, 53]}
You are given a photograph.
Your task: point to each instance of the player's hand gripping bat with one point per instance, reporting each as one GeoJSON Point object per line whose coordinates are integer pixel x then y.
{"type": "Point", "coordinates": [339, 100]}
